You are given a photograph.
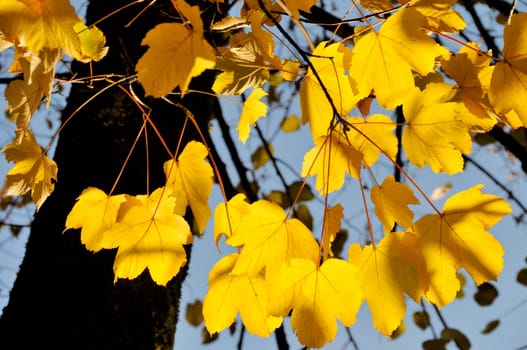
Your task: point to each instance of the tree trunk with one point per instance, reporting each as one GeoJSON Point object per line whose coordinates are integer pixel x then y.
{"type": "Point", "coordinates": [64, 297]}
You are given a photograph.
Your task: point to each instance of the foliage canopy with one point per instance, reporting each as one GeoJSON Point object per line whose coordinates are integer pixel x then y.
{"type": "Point", "coordinates": [397, 58]}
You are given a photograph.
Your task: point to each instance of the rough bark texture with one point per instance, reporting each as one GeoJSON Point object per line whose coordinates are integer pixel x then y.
{"type": "Point", "coordinates": [64, 296]}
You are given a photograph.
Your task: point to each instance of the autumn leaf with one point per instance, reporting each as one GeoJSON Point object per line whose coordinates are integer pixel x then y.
{"type": "Point", "coordinates": [508, 86]}
{"type": "Point", "coordinates": [299, 5]}
{"type": "Point", "coordinates": [269, 240]}
{"type": "Point", "coordinates": [33, 170]}
{"type": "Point", "coordinates": [229, 294]}
{"type": "Point", "coordinates": [439, 14]}
{"type": "Point", "coordinates": [331, 226]}
{"type": "Point", "coordinates": [190, 178]}
{"type": "Point", "coordinates": [458, 238]}
{"type": "Point", "coordinates": [243, 66]}
{"type": "Point", "coordinates": [227, 216]}
{"type": "Point", "coordinates": [391, 201]}
{"type": "Point", "coordinates": [384, 61]}
{"type": "Point", "coordinates": [184, 51]}
{"type": "Point", "coordinates": [317, 296]}
{"type": "Point", "coordinates": [435, 133]}
{"type": "Point", "coordinates": [92, 41]}
{"type": "Point", "coordinates": [369, 136]}
{"type": "Point", "coordinates": [25, 96]}
{"type": "Point", "coordinates": [253, 109]}
{"type": "Point", "coordinates": [41, 24]}
{"type": "Point", "coordinates": [331, 62]}
{"type": "Point", "coordinates": [472, 73]}
{"type": "Point", "coordinates": [383, 275]}
{"type": "Point", "coordinates": [148, 234]}
{"type": "Point", "coordinates": [330, 160]}
{"type": "Point", "coordinates": [94, 212]}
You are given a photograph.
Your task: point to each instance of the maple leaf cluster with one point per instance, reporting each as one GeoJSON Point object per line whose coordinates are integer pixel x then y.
{"type": "Point", "coordinates": [280, 269]}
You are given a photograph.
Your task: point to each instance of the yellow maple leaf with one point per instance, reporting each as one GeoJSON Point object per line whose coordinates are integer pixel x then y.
{"type": "Point", "coordinates": [184, 51]}
{"type": "Point", "coordinates": [331, 226]}
{"type": "Point", "coordinates": [379, 132]}
{"type": "Point", "coordinates": [384, 61]}
{"type": "Point", "coordinates": [391, 201]}
{"type": "Point", "coordinates": [317, 296]}
{"type": "Point", "coordinates": [24, 96]}
{"type": "Point", "coordinates": [472, 73]}
{"type": "Point", "coordinates": [242, 66]}
{"type": "Point", "coordinates": [227, 216]}
{"type": "Point", "coordinates": [39, 24]}
{"type": "Point", "coordinates": [229, 294]}
{"type": "Point", "coordinates": [331, 63]}
{"type": "Point", "coordinates": [435, 133]}
{"type": "Point", "coordinates": [150, 235]}
{"type": "Point", "coordinates": [92, 41]}
{"type": "Point", "coordinates": [330, 159]}
{"type": "Point", "coordinates": [383, 275]}
{"type": "Point", "coordinates": [253, 109]}
{"type": "Point", "coordinates": [94, 212]}
{"type": "Point", "coordinates": [295, 6]}
{"type": "Point", "coordinates": [508, 86]}
{"type": "Point", "coordinates": [269, 240]}
{"type": "Point", "coordinates": [439, 14]}
{"type": "Point", "coordinates": [190, 178]}
{"type": "Point", "coordinates": [33, 170]}
{"type": "Point", "coordinates": [458, 238]}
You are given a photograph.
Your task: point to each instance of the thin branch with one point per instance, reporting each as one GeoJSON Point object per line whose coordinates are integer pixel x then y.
{"type": "Point", "coordinates": [498, 183]}
{"type": "Point", "coordinates": [229, 143]}
{"type": "Point", "coordinates": [239, 346]}
{"type": "Point", "coordinates": [511, 144]}
{"type": "Point", "coordinates": [281, 340]}
{"type": "Point", "coordinates": [489, 40]}
{"type": "Point", "coordinates": [351, 339]}
{"type": "Point", "coordinates": [272, 158]}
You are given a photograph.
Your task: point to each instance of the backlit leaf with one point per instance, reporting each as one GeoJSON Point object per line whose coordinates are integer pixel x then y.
{"type": "Point", "coordinates": [508, 86]}
{"type": "Point", "coordinates": [330, 160]}
{"type": "Point", "coordinates": [391, 201]}
{"type": "Point", "coordinates": [33, 170]}
{"type": "Point", "coordinates": [317, 296]}
{"type": "Point", "coordinates": [94, 212]}
{"type": "Point", "coordinates": [190, 178]}
{"type": "Point", "coordinates": [331, 61]}
{"type": "Point", "coordinates": [150, 235]}
{"type": "Point", "coordinates": [184, 52]}
{"type": "Point", "coordinates": [458, 238]}
{"type": "Point", "coordinates": [435, 134]}
{"type": "Point", "coordinates": [383, 277]}
{"type": "Point", "coordinates": [253, 109]}
{"type": "Point", "coordinates": [227, 216]}
{"type": "Point", "coordinates": [229, 294]}
{"type": "Point", "coordinates": [384, 61]}
{"type": "Point", "coordinates": [40, 24]}
{"type": "Point", "coordinates": [370, 135]}
{"type": "Point", "coordinates": [92, 42]}
{"type": "Point", "coordinates": [269, 239]}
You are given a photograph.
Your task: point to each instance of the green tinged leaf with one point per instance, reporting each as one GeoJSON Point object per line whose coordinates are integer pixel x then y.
{"type": "Point", "coordinates": [261, 156]}
{"type": "Point", "coordinates": [421, 319]}
{"type": "Point", "coordinates": [193, 313]}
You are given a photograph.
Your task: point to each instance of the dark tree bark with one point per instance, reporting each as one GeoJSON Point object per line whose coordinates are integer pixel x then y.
{"type": "Point", "coordinates": [64, 297]}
